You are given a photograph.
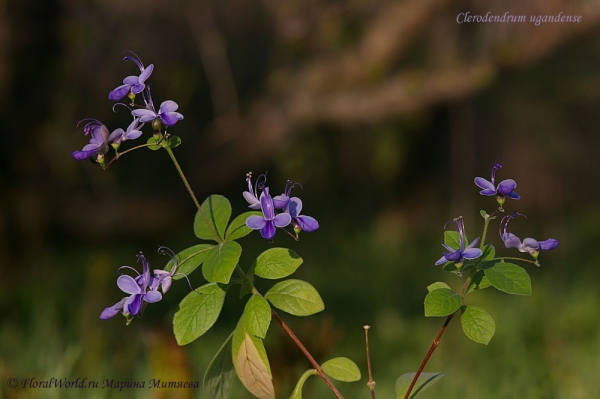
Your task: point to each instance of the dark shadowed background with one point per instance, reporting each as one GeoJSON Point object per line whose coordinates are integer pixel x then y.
{"type": "Point", "coordinates": [383, 110]}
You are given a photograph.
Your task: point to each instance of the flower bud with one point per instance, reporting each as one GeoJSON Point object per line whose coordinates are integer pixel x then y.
{"type": "Point", "coordinates": [297, 230]}
{"type": "Point", "coordinates": [157, 124]}
{"type": "Point", "coordinates": [131, 97]}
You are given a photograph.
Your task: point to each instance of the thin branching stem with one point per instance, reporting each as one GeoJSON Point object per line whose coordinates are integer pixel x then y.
{"type": "Point", "coordinates": [120, 154]}
{"type": "Point", "coordinates": [306, 353]}
{"type": "Point", "coordinates": [191, 192]}
{"type": "Point", "coordinates": [463, 292]}
{"type": "Point", "coordinates": [371, 383]}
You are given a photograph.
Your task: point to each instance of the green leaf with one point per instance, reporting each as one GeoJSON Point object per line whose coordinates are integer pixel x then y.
{"type": "Point", "coordinates": [489, 252]}
{"type": "Point", "coordinates": [174, 141]}
{"type": "Point", "coordinates": [276, 263]}
{"type": "Point", "coordinates": [152, 144]}
{"type": "Point", "coordinates": [437, 285]}
{"type": "Point", "coordinates": [297, 394]}
{"type": "Point", "coordinates": [451, 239]}
{"type": "Point", "coordinates": [477, 324]}
{"type": "Point", "coordinates": [217, 211]}
{"type": "Point", "coordinates": [478, 282]}
{"type": "Point", "coordinates": [219, 374]}
{"type": "Point", "coordinates": [189, 259]}
{"type": "Point", "coordinates": [251, 363]}
{"type": "Point", "coordinates": [424, 381]}
{"type": "Point", "coordinates": [237, 228]}
{"type": "Point", "coordinates": [442, 302]}
{"type": "Point", "coordinates": [295, 297]}
{"type": "Point", "coordinates": [483, 214]}
{"type": "Point", "coordinates": [257, 316]}
{"type": "Point", "coordinates": [341, 369]}
{"type": "Point", "coordinates": [220, 262]}
{"type": "Point", "coordinates": [197, 312]}
{"type": "Point", "coordinates": [509, 278]}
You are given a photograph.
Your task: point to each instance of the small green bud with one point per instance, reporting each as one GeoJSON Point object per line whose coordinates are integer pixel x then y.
{"type": "Point", "coordinates": [131, 97]}
{"type": "Point", "coordinates": [157, 125]}
{"type": "Point", "coordinates": [116, 145]}
{"type": "Point", "coordinates": [100, 159]}
{"type": "Point", "coordinates": [297, 230]}
{"type": "Point", "coordinates": [501, 199]}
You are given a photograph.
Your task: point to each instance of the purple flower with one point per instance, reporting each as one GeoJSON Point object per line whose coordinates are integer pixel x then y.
{"type": "Point", "coordinates": [506, 188]}
{"type": "Point", "coordinates": [459, 255]}
{"type": "Point", "coordinates": [164, 278]}
{"type": "Point", "coordinates": [137, 288]}
{"type": "Point", "coordinates": [267, 224]}
{"type": "Point", "coordinates": [133, 132]}
{"type": "Point", "coordinates": [99, 141]}
{"type": "Point", "coordinates": [132, 84]}
{"type": "Point", "coordinates": [166, 113]}
{"type": "Point", "coordinates": [251, 196]}
{"type": "Point", "coordinates": [300, 222]}
{"type": "Point", "coordinates": [529, 245]}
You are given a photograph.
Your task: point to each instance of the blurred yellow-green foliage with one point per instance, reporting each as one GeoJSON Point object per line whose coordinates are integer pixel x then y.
{"type": "Point", "coordinates": [384, 110]}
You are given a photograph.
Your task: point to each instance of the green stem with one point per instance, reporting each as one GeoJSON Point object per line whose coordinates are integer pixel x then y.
{"type": "Point", "coordinates": [520, 259]}
{"type": "Point", "coordinates": [191, 192]}
{"type": "Point", "coordinates": [120, 154]}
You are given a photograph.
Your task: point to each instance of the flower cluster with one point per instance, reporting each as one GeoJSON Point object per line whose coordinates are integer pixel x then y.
{"type": "Point", "coordinates": [529, 245]}
{"type": "Point", "coordinates": [141, 289]}
{"type": "Point", "coordinates": [290, 208]}
{"type": "Point", "coordinates": [101, 139]}
{"type": "Point", "coordinates": [505, 188]}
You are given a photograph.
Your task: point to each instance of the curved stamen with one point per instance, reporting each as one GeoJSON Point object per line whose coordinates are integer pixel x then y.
{"type": "Point", "coordinates": [134, 58]}
{"type": "Point", "coordinates": [125, 105]}
{"type": "Point", "coordinates": [496, 166]}
{"type": "Point", "coordinates": [128, 267]}
{"type": "Point", "coordinates": [169, 252]}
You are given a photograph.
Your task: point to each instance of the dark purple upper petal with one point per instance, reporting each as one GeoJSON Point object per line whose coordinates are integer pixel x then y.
{"type": "Point", "coordinates": [549, 244]}
{"type": "Point", "coordinates": [295, 207]}
{"type": "Point", "coordinates": [307, 223]}
{"type": "Point", "coordinates": [118, 93]}
{"type": "Point", "coordinates": [170, 118]}
{"type": "Point", "coordinates": [506, 187]}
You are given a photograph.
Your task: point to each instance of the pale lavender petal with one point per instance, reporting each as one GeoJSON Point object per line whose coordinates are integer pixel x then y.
{"type": "Point", "coordinates": [131, 80]}
{"type": "Point", "coordinates": [268, 231]}
{"type": "Point", "coordinates": [115, 135]}
{"type": "Point", "coordinates": [100, 134]}
{"type": "Point", "coordinates": [113, 310]}
{"type": "Point", "coordinates": [549, 244]}
{"type": "Point", "coordinates": [128, 285]}
{"type": "Point", "coordinates": [145, 114]}
{"type": "Point", "coordinates": [118, 93]}
{"type": "Point", "coordinates": [138, 88]}
{"type": "Point", "coordinates": [485, 184]}
{"type": "Point", "coordinates": [295, 206]}
{"type": "Point", "coordinates": [472, 253]}
{"type": "Point", "coordinates": [512, 241]}
{"type": "Point", "coordinates": [282, 220]}
{"type": "Point", "coordinates": [281, 201]}
{"type": "Point", "coordinates": [441, 261]}
{"type": "Point", "coordinates": [168, 106]}
{"type": "Point", "coordinates": [307, 223]}
{"type": "Point", "coordinates": [255, 222]}
{"type": "Point", "coordinates": [530, 243]}
{"type": "Point", "coordinates": [252, 200]}
{"type": "Point", "coordinates": [152, 296]}
{"type": "Point", "coordinates": [146, 73]}
{"type": "Point", "coordinates": [166, 284]}
{"type": "Point", "coordinates": [81, 155]}
{"type": "Point", "coordinates": [474, 243]}
{"type": "Point", "coordinates": [133, 134]}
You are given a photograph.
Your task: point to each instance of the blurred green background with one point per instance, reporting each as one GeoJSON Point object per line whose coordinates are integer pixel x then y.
{"type": "Point", "coordinates": [384, 110]}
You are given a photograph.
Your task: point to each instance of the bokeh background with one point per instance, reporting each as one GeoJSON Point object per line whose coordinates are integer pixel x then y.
{"type": "Point", "coordinates": [384, 110]}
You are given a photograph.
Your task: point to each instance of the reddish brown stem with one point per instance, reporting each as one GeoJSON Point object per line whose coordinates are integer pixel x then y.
{"type": "Point", "coordinates": [371, 383]}
{"type": "Point", "coordinates": [307, 354]}
{"type": "Point", "coordinates": [434, 345]}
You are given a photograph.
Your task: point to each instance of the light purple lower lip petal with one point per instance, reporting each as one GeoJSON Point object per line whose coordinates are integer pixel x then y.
{"type": "Point", "coordinates": [128, 285]}
{"type": "Point", "coordinates": [255, 222]}
{"type": "Point", "coordinates": [487, 192]}
{"type": "Point", "coordinates": [131, 80]}
{"type": "Point", "coordinates": [134, 134]}
{"type": "Point", "coordinates": [113, 310]}
{"type": "Point", "coordinates": [268, 231]}
{"type": "Point", "coordinates": [138, 88]}
{"type": "Point", "coordinates": [472, 253]}
{"type": "Point", "coordinates": [282, 220]}
{"type": "Point", "coordinates": [81, 155]}
{"type": "Point", "coordinates": [307, 223]}
{"type": "Point", "coordinates": [145, 114]}
{"type": "Point", "coordinates": [252, 200]}
{"type": "Point", "coordinates": [152, 296]}
{"type": "Point", "coordinates": [146, 74]}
